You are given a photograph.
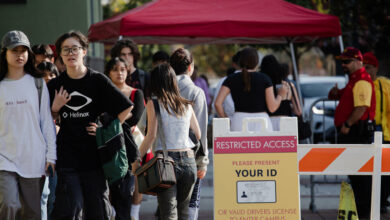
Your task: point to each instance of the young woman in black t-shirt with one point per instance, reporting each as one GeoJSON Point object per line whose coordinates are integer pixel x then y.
{"type": "Point", "coordinates": [252, 92]}
{"type": "Point", "coordinates": [79, 95]}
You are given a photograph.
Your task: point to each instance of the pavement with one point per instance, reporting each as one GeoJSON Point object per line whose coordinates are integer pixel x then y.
{"type": "Point", "coordinates": [326, 200]}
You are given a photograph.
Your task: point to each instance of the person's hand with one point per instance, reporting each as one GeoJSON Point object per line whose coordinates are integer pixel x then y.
{"type": "Point", "coordinates": [92, 128]}
{"type": "Point", "coordinates": [60, 99]}
{"type": "Point", "coordinates": [334, 92]}
{"type": "Point", "coordinates": [201, 174]}
{"type": "Point", "coordinates": [282, 91]}
{"type": "Point", "coordinates": [344, 130]}
{"type": "Point", "coordinates": [52, 165]}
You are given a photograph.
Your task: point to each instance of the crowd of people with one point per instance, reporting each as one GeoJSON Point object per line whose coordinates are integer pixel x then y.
{"type": "Point", "coordinates": [50, 101]}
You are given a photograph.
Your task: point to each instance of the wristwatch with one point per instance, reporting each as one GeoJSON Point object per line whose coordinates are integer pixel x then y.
{"type": "Point", "coordinates": [347, 125]}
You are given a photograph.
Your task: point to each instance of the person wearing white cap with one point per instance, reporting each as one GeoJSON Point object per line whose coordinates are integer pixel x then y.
{"type": "Point", "coordinates": [27, 132]}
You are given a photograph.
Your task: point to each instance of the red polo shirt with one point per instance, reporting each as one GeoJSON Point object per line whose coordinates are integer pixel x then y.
{"type": "Point", "coordinates": [353, 95]}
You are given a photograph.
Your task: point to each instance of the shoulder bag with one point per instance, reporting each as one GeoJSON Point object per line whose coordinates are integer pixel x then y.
{"type": "Point", "coordinates": [158, 174]}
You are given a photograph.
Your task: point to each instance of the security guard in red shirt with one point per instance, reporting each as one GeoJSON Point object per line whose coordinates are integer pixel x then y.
{"type": "Point", "coordinates": [354, 118]}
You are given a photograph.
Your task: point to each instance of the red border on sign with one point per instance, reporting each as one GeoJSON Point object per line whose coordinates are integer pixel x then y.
{"type": "Point", "coordinates": [258, 144]}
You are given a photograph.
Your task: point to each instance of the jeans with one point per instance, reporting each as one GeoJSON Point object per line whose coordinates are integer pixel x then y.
{"type": "Point", "coordinates": [122, 195]}
{"type": "Point", "coordinates": [52, 194]}
{"type": "Point", "coordinates": [195, 200]}
{"type": "Point", "coordinates": [81, 195]}
{"type": "Point", "coordinates": [174, 202]}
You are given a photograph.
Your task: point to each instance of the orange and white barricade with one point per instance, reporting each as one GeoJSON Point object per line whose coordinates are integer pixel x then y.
{"type": "Point", "coordinates": [348, 159]}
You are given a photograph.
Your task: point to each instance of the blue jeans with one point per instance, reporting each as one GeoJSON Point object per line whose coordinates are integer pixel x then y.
{"type": "Point", "coordinates": [52, 194]}
{"type": "Point", "coordinates": [174, 202]}
{"type": "Point", "coordinates": [122, 195]}
{"type": "Point", "coordinates": [195, 200]}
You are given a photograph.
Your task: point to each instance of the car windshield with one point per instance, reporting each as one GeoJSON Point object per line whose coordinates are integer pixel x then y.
{"type": "Point", "coordinates": [316, 89]}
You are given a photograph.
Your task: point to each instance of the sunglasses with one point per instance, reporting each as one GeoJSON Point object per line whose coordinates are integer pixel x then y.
{"type": "Point", "coordinates": [346, 61]}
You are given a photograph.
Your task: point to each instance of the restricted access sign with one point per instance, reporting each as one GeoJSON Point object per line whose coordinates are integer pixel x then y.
{"type": "Point", "coordinates": [256, 178]}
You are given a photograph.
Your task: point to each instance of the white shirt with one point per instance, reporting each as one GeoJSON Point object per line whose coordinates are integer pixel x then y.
{"type": "Point", "coordinates": [175, 129]}
{"type": "Point", "coordinates": [27, 133]}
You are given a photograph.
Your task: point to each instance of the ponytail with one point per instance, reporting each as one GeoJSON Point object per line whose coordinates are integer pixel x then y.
{"type": "Point", "coordinates": [249, 59]}
{"type": "Point", "coordinates": [246, 78]}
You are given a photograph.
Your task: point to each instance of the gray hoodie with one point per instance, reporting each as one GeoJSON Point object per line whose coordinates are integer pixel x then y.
{"type": "Point", "coordinates": [193, 93]}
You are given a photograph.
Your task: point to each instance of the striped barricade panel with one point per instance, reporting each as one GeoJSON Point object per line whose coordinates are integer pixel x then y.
{"type": "Point", "coordinates": [327, 159]}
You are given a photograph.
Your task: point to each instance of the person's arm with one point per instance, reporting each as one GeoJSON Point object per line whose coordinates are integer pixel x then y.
{"type": "Point", "coordinates": [357, 113]}
{"type": "Point", "coordinates": [272, 102]}
{"type": "Point", "coordinates": [201, 113]}
{"type": "Point", "coordinates": [48, 129]}
{"type": "Point", "coordinates": [194, 125]}
{"type": "Point", "coordinates": [115, 102]}
{"type": "Point", "coordinates": [223, 92]}
{"type": "Point", "coordinates": [296, 105]}
{"type": "Point", "coordinates": [122, 116]}
{"type": "Point", "coordinates": [152, 129]}
{"type": "Point", "coordinates": [362, 95]}
{"type": "Point", "coordinates": [138, 109]}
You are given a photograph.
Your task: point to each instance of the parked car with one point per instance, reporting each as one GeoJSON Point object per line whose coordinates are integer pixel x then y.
{"type": "Point", "coordinates": [317, 108]}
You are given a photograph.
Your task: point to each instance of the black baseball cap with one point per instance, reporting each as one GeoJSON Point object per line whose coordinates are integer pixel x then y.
{"type": "Point", "coordinates": [15, 38]}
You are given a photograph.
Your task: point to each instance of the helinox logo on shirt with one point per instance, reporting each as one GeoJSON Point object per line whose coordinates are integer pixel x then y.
{"type": "Point", "coordinates": [85, 100]}
{"type": "Point", "coordinates": [75, 114]}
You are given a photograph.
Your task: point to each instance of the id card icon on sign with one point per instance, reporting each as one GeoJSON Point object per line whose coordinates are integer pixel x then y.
{"type": "Point", "coordinates": [256, 191]}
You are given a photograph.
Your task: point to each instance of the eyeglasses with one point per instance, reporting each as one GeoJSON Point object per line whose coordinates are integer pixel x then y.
{"type": "Point", "coordinates": [346, 61]}
{"type": "Point", "coordinates": [75, 50]}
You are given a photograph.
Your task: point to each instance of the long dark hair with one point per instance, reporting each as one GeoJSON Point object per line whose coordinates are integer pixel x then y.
{"type": "Point", "coordinates": [249, 59]}
{"type": "Point", "coordinates": [163, 84]}
{"type": "Point", "coordinates": [180, 60]}
{"type": "Point", "coordinates": [271, 67]}
{"type": "Point", "coordinates": [29, 67]}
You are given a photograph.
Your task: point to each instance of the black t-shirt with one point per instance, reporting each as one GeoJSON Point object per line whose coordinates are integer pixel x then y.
{"type": "Point", "coordinates": [252, 101]}
{"type": "Point", "coordinates": [134, 81]}
{"type": "Point", "coordinates": [90, 96]}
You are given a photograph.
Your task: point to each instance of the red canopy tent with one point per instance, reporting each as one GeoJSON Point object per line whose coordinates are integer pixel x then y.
{"type": "Point", "coordinates": [216, 21]}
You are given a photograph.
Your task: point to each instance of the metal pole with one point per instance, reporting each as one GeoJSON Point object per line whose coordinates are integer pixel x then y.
{"type": "Point", "coordinates": [341, 43]}
{"type": "Point", "coordinates": [376, 177]}
{"type": "Point", "coordinates": [296, 76]}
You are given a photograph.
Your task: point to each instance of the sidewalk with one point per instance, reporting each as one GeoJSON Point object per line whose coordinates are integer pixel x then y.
{"type": "Point", "coordinates": [326, 199]}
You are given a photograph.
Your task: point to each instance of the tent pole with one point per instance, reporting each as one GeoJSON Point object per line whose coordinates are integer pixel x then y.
{"type": "Point", "coordinates": [341, 43]}
{"type": "Point", "coordinates": [296, 76]}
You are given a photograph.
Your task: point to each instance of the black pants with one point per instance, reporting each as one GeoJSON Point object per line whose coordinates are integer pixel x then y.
{"type": "Point", "coordinates": [361, 185]}
{"type": "Point", "coordinates": [121, 196]}
{"type": "Point", "coordinates": [81, 195]}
